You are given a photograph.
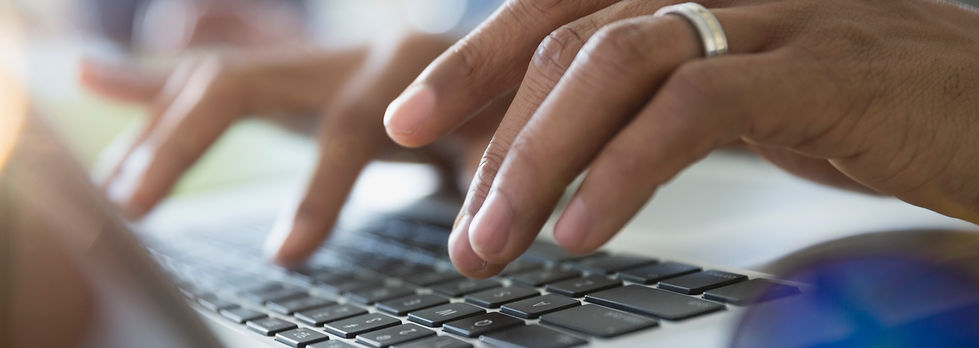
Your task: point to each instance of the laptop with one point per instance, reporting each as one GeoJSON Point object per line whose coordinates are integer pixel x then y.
{"type": "Point", "coordinates": [383, 280]}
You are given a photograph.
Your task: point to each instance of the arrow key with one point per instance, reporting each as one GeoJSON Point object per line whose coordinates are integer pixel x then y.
{"type": "Point", "coordinates": [394, 335]}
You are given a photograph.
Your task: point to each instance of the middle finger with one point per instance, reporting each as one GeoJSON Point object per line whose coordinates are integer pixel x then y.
{"type": "Point", "coordinates": [613, 75]}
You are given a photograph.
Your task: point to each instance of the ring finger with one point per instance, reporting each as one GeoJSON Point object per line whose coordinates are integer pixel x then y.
{"type": "Point", "coordinates": [612, 76]}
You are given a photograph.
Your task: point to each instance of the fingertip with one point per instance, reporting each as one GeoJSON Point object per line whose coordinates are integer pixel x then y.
{"type": "Point", "coordinates": [296, 246]}
{"type": "Point", "coordinates": [407, 115]}
{"type": "Point", "coordinates": [572, 229]}
{"type": "Point", "coordinates": [465, 260]}
{"type": "Point", "coordinates": [489, 232]}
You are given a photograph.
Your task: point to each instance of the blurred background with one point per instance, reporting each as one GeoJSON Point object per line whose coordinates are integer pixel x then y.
{"type": "Point", "coordinates": [56, 36]}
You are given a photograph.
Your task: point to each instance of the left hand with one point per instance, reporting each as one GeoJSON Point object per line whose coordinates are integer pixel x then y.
{"type": "Point", "coordinates": [339, 95]}
{"type": "Point", "coordinates": [879, 95]}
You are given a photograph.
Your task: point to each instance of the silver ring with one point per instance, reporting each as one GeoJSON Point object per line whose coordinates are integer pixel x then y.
{"type": "Point", "coordinates": [710, 30]}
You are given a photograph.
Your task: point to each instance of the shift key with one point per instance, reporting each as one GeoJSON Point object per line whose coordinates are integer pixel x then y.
{"type": "Point", "coordinates": [653, 302]}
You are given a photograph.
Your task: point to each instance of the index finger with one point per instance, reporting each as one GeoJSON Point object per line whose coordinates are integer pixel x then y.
{"type": "Point", "coordinates": [486, 63]}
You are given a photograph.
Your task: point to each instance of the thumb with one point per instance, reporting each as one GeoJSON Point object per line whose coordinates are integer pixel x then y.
{"type": "Point", "coordinates": [122, 81]}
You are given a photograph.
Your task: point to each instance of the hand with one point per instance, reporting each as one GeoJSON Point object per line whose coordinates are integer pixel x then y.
{"type": "Point", "coordinates": [201, 98]}
{"type": "Point", "coordinates": [874, 94]}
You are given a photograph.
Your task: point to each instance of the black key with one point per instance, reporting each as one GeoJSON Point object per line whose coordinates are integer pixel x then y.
{"type": "Point", "coordinates": [752, 291]}
{"type": "Point", "coordinates": [394, 335]}
{"type": "Point", "coordinates": [320, 316]}
{"type": "Point", "coordinates": [481, 324]}
{"type": "Point", "coordinates": [241, 315]}
{"type": "Point", "coordinates": [532, 308]}
{"type": "Point", "coordinates": [465, 286]}
{"type": "Point", "coordinates": [435, 342]}
{"type": "Point", "coordinates": [351, 327]}
{"type": "Point", "coordinates": [695, 283]}
{"type": "Point", "coordinates": [610, 263]}
{"type": "Point", "coordinates": [347, 284]}
{"type": "Point", "coordinates": [577, 287]}
{"type": "Point", "coordinates": [520, 266]}
{"type": "Point", "coordinates": [493, 298]}
{"type": "Point", "coordinates": [531, 336]}
{"type": "Point", "coordinates": [538, 278]}
{"type": "Point", "coordinates": [300, 337]}
{"type": "Point", "coordinates": [260, 287]}
{"type": "Point", "coordinates": [598, 321]}
{"type": "Point", "coordinates": [403, 305]}
{"type": "Point", "coordinates": [261, 297]}
{"type": "Point", "coordinates": [214, 303]}
{"type": "Point", "coordinates": [297, 304]}
{"type": "Point", "coordinates": [369, 296]}
{"type": "Point", "coordinates": [654, 273]}
{"type": "Point", "coordinates": [653, 302]}
{"type": "Point", "coordinates": [270, 326]}
{"type": "Point", "coordinates": [430, 278]}
{"type": "Point", "coordinates": [330, 344]}
{"type": "Point", "coordinates": [547, 252]}
{"type": "Point", "coordinates": [436, 316]}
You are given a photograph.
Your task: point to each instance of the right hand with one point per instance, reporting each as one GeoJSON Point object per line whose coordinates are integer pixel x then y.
{"type": "Point", "coordinates": [200, 99]}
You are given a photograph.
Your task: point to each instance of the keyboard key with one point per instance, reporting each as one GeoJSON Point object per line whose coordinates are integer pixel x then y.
{"type": "Point", "coordinates": [403, 305]}
{"type": "Point", "coordinates": [270, 326]}
{"type": "Point", "coordinates": [532, 336]}
{"type": "Point", "coordinates": [538, 278]}
{"type": "Point", "coordinates": [493, 298]}
{"type": "Point", "coordinates": [752, 291]}
{"type": "Point", "coordinates": [262, 297]}
{"type": "Point", "coordinates": [598, 321]}
{"type": "Point", "coordinates": [369, 296]}
{"type": "Point", "coordinates": [345, 284]}
{"type": "Point", "coordinates": [653, 302]}
{"type": "Point", "coordinates": [241, 315]}
{"type": "Point", "coordinates": [607, 264]}
{"type": "Point", "coordinates": [532, 308]}
{"type": "Point", "coordinates": [427, 279]}
{"type": "Point", "coordinates": [435, 342]}
{"type": "Point", "coordinates": [436, 316]}
{"type": "Point", "coordinates": [300, 337]}
{"type": "Point", "coordinates": [320, 316]}
{"type": "Point", "coordinates": [290, 306]}
{"type": "Point", "coordinates": [465, 286]}
{"type": "Point", "coordinates": [330, 344]}
{"type": "Point", "coordinates": [577, 287]}
{"type": "Point", "coordinates": [214, 303]}
{"type": "Point", "coordinates": [520, 266]}
{"type": "Point", "coordinates": [394, 335]}
{"type": "Point", "coordinates": [547, 252]}
{"type": "Point", "coordinates": [654, 273]}
{"type": "Point", "coordinates": [696, 283]}
{"type": "Point", "coordinates": [481, 324]}
{"type": "Point", "coordinates": [351, 327]}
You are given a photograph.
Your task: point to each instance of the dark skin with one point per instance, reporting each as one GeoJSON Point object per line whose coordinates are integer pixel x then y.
{"type": "Point", "coordinates": [880, 96]}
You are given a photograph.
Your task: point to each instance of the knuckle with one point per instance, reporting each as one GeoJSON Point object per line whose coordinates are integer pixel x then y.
{"type": "Point", "coordinates": [534, 8]}
{"type": "Point", "coordinates": [557, 50]}
{"type": "Point", "coordinates": [489, 166]}
{"type": "Point", "coordinates": [617, 44]}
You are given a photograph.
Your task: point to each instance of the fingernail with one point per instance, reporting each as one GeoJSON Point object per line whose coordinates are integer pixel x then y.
{"type": "Point", "coordinates": [406, 113]}
{"type": "Point", "coordinates": [292, 249]}
{"type": "Point", "coordinates": [460, 249]}
{"type": "Point", "coordinates": [572, 228]}
{"type": "Point", "coordinates": [122, 190]}
{"type": "Point", "coordinates": [490, 228]}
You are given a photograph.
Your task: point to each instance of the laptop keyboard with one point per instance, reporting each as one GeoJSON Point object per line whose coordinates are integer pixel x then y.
{"type": "Point", "coordinates": [391, 285]}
